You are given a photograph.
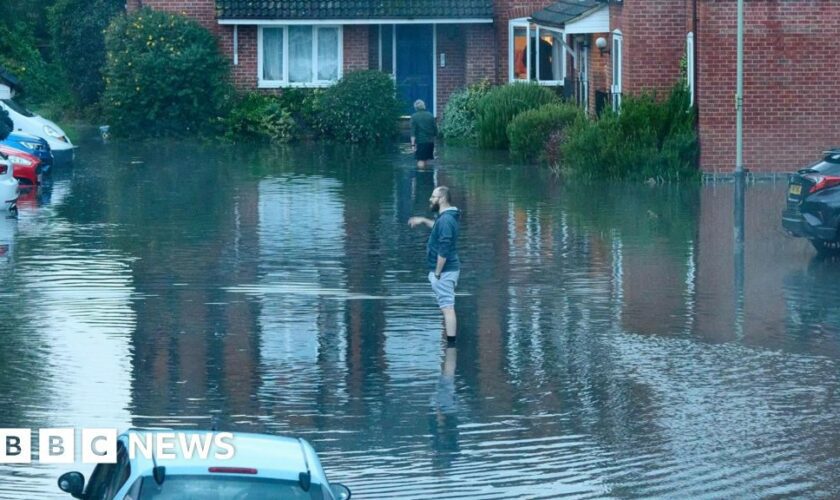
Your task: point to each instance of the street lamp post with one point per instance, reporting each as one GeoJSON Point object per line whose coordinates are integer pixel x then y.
{"type": "Point", "coordinates": [739, 95]}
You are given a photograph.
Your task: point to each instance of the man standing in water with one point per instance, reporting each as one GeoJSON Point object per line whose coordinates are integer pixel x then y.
{"type": "Point", "coordinates": [442, 255]}
{"type": "Point", "coordinates": [423, 133]}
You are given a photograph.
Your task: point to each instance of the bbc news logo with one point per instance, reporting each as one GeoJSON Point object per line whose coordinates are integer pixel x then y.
{"type": "Point", "coordinates": [99, 446]}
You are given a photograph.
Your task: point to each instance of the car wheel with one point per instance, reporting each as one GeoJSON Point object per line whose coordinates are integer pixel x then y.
{"type": "Point", "coordinates": [825, 247]}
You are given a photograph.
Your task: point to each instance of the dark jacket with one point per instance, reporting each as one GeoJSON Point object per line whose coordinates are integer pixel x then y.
{"type": "Point", "coordinates": [444, 241]}
{"type": "Point", "coordinates": [423, 127]}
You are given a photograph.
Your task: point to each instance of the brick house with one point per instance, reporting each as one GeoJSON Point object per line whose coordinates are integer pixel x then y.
{"type": "Point", "coordinates": [592, 51]}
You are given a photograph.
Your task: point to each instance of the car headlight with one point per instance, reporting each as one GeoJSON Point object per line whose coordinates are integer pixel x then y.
{"type": "Point", "coordinates": [53, 133]}
{"type": "Point", "coordinates": [19, 161]}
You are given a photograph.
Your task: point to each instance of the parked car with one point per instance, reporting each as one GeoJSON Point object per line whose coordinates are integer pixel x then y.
{"type": "Point", "coordinates": [262, 467]}
{"type": "Point", "coordinates": [33, 145]}
{"type": "Point", "coordinates": [8, 188]}
{"type": "Point", "coordinates": [25, 166]}
{"type": "Point", "coordinates": [813, 203]}
{"type": "Point", "coordinates": [31, 123]}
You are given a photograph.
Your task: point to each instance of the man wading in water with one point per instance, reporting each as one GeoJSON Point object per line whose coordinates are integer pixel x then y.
{"type": "Point", "coordinates": [442, 255]}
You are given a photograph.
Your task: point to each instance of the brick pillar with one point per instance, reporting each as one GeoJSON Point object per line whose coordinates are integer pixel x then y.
{"type": "Point", "coordinates": [356, 56]}
{"type": "Point", "coordinates": [451, 77]}
{"type": "Point", "coordinates": [481, 53]}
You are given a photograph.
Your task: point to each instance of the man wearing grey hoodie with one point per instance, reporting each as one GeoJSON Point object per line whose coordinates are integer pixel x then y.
{"type": "Point", "coordinates": [442, 255]}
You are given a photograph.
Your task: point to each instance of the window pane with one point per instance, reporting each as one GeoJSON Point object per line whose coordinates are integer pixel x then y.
{"type": "Point", "coordinates": [387, 48]}
{"type": "Point", "coordinates": [328, 54]}
{"type": "Point", "coordinates": [551, 56]}
{"type": "Point", "coordinates": [520, 53]}
{"type": "Point", "coordinates": [272, 53]}
{"type": "Point", "coordinates": [300, 53]}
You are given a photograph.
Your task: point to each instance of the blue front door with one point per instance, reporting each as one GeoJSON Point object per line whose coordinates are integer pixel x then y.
{"type": "Point", "coordinates": [415, 65]}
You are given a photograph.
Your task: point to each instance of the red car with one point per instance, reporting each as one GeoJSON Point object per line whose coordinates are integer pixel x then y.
{"type": "Point", "coordinates": [26, 166]}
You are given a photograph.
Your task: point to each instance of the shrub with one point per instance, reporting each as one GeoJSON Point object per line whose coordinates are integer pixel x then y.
{"type": "Point", "coordinates": [163, 76]}
{"type": "Point", "coordinates": [500, 105]}
{"type": "Point", "coordinates": [76, 27]}
{"type": "Point", "coordinates": [648, 139]}
{"type": "Point", "coordinates": [530, 130]}
{"type": "Point", "coordinates": [361, 107]}
{"type": "Point", "coordinates": [260, 117]}
{"type": "Point", "coordinates": [20, 56]}
{"type": "Point", "coordinates": [461, 113]}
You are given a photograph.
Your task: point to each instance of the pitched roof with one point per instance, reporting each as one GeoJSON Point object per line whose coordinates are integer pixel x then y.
{"type": "Point", "coordinates": [559, 13]}
{"type": "Point", "coordinates": [354, 9]}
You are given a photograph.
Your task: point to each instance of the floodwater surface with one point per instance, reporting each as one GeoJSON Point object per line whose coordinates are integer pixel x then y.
{"type": "Point", "coordinates": [611, 342]}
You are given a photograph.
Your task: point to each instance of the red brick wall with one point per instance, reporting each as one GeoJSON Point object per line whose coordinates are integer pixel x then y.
{"type": "Point", "coordinates": [790, 82]}
{"type": "Point", "coordinates": [450, 41]}
{"type": "Point", "coordinates": [482, 53]}
{"type": "Point", "coordinates": [203, 11]}
{"type": "Point", "coordinates": [356, 56]}
{"type": "Point", "coordinates": [653, 42]}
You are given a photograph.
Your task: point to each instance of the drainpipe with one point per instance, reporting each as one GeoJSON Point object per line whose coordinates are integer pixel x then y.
{"type": "Point", "coordinates": [739, 95]}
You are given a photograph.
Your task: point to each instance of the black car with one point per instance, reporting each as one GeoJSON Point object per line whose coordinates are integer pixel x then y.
{"type": "Point", "coordinates": [813, 203]}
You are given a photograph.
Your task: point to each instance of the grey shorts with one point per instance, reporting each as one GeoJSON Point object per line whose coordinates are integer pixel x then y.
{"type": "Point", "coordinates": [444, 287]}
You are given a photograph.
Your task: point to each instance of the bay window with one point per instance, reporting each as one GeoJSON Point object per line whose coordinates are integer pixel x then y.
{"type": "Point", "coordinates": [536, 53]}
{"type": "Point", "coordinates": [299, 55]}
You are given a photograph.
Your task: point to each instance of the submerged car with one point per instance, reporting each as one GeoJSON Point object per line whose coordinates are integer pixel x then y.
{"type": "Point", "coordinates": [813, 203]}
{"type": "Point", "coordinates": [26, 167]}
{"type": "Point", "coordinates": [34, 146]}
{"type": "Point", "coordinates": [262, 467]}
{"type": "Point", "coordinates": [8, 188]}
{"type": "Point", "coordinates": [31, 123]}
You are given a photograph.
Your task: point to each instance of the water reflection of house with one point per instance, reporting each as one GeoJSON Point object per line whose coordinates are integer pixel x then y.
{"type": "Point", "coordinates": [196, 347]}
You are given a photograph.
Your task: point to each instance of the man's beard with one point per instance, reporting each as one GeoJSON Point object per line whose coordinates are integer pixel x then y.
{"type": "Point", "coordinates": [434, 207]}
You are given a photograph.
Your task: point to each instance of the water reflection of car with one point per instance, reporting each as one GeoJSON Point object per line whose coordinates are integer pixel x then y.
{"type": "Point", "coordinates": [8, 188]}
{"type": "Point", "coordinates": [813, 203]}
{"type": "Point", "coordinates": [32, 146]}
{"type": "Point", "coordinates": [31, 123]}
{"type": "Point", "coordinates": [262, 467]}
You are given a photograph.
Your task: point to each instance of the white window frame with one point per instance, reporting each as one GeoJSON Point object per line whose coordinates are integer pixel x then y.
{"type": "Point", "coordinates": [689, 67]}
{"type": "Point", "coordinates": [615, 54]}
{"type": "Point", "coordinates": [530, 28]}
{"type": "Point", "coordinates": [284, 82]}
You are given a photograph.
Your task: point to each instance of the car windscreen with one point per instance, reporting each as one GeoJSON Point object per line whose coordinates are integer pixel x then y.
{"type": "Point", "coordinates": [830, 165]}
{"type": "Point", "coordinates": [18, 108]}
{"type": "Point", "coordinates": [224, 487]}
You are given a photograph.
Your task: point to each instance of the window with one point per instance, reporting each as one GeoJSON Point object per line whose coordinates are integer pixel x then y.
{"type": "Point", "coordinates": [387, 54]}
{"type": "Point", "coordinates": [299, 56]}
{"type": "Point", "coordinates": [536, 53]}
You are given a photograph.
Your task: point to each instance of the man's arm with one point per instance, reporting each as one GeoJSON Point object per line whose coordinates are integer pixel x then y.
{"type": "Point", "coordinates": [439, 267]}
{"type": "Point", "coordinates": [416, 221]}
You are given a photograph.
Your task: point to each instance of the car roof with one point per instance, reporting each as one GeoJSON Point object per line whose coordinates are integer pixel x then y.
{"type": "Point", "coordinates": [273, 456]}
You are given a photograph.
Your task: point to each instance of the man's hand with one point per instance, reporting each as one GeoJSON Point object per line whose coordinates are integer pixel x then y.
{"type": "Point", "coordinates": [416, 221]}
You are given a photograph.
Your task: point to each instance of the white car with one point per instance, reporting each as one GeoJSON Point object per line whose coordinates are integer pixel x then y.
{"type": "Point", "coordinates": [8, 188]}
{"type": "Point", "coordinates": [29, 122]}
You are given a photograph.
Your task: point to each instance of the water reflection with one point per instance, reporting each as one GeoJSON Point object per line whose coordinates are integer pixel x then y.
{"type": "Point", "coordinates": [615, 340]}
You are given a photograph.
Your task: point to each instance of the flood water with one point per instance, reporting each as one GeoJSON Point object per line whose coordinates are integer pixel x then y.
{"type": "Point", "coordinates": [610, 342]}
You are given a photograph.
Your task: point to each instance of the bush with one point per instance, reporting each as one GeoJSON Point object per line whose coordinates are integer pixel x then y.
{"type": "Point", "coordinates": [361, 107]}
{"type": "Point", "coordinates": [163, 76]}
{"type": "Point", "coordinates": [500, 105]}
{"type": "Point", "coordinates": [20, 56]}
{"type": "Point", "coordinates": [461, 114]}
{"type": "Point", "coordinates": [260, 117]}
{"type": "Point", "coordinates": [76, 27]}
{"type": "Point", "coordinates": [529, 131]}
{"type": "Point", "coordinates": [648, 139]}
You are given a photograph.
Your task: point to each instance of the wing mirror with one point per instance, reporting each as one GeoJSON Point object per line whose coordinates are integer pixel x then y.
{"type": "Point", "coordinates": [73, 483]}
{"type": "Point", "coordinates": [340, 492]}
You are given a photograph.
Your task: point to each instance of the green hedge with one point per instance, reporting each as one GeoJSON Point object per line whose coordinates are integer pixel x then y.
{"type": "Point", "coordinates": [164, 76]}
{"type": "Point", "coordinates": [76, 28]}
{"type": "Point", "coordinates": [361, 107]}
{"type": "Point", "coordinates": [502, 104]}
{"type": "Point", "coordinates": [260, 117]}
{"type": "Point", "coordinates": [460, 116]}
{"type": "Point", "coordinates": [648, 139]}
{"type": "Point", "coordinates": [529, 131]}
